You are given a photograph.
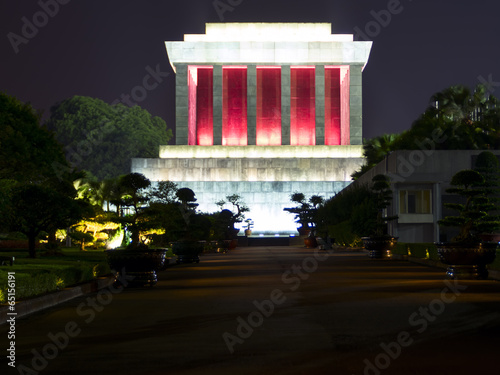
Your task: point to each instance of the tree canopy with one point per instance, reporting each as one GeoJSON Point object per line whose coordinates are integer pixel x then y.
{"type": "Point", "coordinates": [103, 138]}
{"type": "Point", "coordinates": [457, 119]}
{"type": "Point", "coordinates": [34, 208]}
{"type": "Point", "coordinates": [28, 151]}
{"type": "Point", "coordinates": [36, 182]}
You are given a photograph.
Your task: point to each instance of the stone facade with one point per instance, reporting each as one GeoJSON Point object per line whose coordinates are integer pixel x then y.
{"type": "Point", "coordinates": [266, 175]}
{"type": "Point", "coordinates": [264, 183]}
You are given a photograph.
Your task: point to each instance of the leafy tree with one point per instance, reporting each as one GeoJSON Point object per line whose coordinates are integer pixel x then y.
{"type": "Point", "coordinates": [168, 217]}
{"type": "Point", "coordinates": [187, 206]}
{"type": "Point", "coordinates": [6, 187]}
{"type": "Point", "coordinates": [301, 210]}
{"type": "Point", "coordinates": [488, 166]}
{"type": "Point", "coordinates": [102, 138]}
{"type": "Point", "coordinates": [28, 151]}
{"type": "Point", "coordinates": [134, 187]}
{"type": "Point", "coordinates": [478, 209]}
{"type": "Point", "coordinates": [376, 149]}
{"type": "Point", "coordinates": [94, 227]}
{"type": "Point", "coordinates": [223, 226]}
{"type": "Point", "coordinates": [381, 188]}
{"type": "Point", "coordinates": [164, 192]}
{"type": "Point", "coordinates": [472, 210]}
{"type": "Point", "coordinates": [306, 210]}
{"type": "Point", "coordinates": [35, 208]}
{"type": "Point", "coordinates": [457, 119]}
{"type": "Point", "coordinates": [33, 162]}
{"type": "Point", "coordinates": [236, 217]}
{"type": "Point", "coordinates": [353, 209]}
{"type": "Point", "coordinates": [81, 238]}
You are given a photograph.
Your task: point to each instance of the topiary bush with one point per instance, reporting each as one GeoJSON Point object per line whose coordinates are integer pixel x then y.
{"type": "Point", "coordinates": [37, 279]}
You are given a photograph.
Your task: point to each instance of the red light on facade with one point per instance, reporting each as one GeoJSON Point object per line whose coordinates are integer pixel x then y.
{"type": "Point", "coordinates": [200, 122]}
{"type": "Point", "coordinates": [268, 106]}
{"type": "Point", "coordinates": [337, 106]}
{"type": "Point", "coordinates": [192, 88]}
{"type": "Point", "coordinates": [303, 106]}
{"type": "Point", "coordinates": [204, 106]}
{"type": "Point", "coordinates": [345, 110]}
{"type": "Point", "coordinates": [234, 106]}
{"type": "Point", "coordinates": [332, 106]}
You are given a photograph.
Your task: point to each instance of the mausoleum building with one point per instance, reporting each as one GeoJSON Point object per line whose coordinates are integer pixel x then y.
{"type": "Point", "coordinates": [264, 110]}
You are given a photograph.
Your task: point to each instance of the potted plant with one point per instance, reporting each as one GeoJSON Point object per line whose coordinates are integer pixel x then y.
{"type": "Point", "coordinates": [467, 254]}
{"type": "Point", "coordinates": [248, 228]}
{"type": "Point", "coordinates": [189, 246]}
{"type": "Point", "coordinates": [488, 166]}
{"type": "Point", "coordinates": [229, 218]}
{"type": "Point", "coordinates": [379, 243]}
{"type": "Point", "coordinates": [301, 212]}
{"type": "Point", "coordinates": [305, 213]}
{"type": "Point", "coordinates": [136, 260]}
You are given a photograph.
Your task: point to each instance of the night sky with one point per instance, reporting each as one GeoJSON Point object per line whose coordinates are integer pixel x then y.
{"type": "Point", "coordinates": [103, 48]}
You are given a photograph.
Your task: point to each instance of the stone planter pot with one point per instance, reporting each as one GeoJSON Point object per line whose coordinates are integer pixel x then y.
{"type": "Point", "coordinates": [233, 244]}
{"type": "Point", "coordinates": [379, 247]}
{"type": "Point", "coordinates": [466, 261]}
{"type": "Point", "coordinates": [303, 231]}
{"type": "Point", "coordinates": [490, 237]}
{"type": "Point", "coordinates": [310, 242]}
{"type": "Point", "coordinates": [138, 265]}
{"type": "Point", "coordinates": [187, 251]}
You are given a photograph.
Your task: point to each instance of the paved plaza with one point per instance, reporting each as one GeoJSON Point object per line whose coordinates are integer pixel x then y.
{"type": "Point", "coordinates": [272, 310]}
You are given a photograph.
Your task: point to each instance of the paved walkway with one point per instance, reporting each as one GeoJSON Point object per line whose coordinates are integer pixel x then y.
{"type": "Point", "coordinates": [275, 310]}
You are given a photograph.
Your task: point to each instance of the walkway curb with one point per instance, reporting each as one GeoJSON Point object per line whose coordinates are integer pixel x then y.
{"type": "Point", "coordinates": [493, 274]}
{"type": "Point", "coordinates": [35, 304]}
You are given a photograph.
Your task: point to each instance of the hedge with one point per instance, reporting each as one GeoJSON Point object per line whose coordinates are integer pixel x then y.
{"type": "Point", "coordinates": [36, 276]}
{"type": "Point", "coordinates": [343, 236]}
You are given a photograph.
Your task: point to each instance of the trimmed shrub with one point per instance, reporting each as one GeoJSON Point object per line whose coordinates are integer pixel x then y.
{"type": "Point", "coordinates": [496, 264]}
{"type": "Point", "coordinates": [37, 279]}
{"type": "Point", "coordinates": [343, 235]}
{"type": "Point", "coordinates": [28, 285]}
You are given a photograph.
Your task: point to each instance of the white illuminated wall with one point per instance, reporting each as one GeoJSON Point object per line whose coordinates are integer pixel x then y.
{"type": "Point", "coordinates": [269, 43]}
{"type": "Point", "coordinates": [264, 176]}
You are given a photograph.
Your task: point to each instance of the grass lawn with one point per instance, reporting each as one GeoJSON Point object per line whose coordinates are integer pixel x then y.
{"type": "Point", "coordinates": [49, 273]}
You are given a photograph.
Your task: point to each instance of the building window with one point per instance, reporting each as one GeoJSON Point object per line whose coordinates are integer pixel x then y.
{"type": "Point", "coordinates": [415, 202]}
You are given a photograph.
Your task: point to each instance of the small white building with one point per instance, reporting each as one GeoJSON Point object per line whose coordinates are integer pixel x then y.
{"type": "Point", "coordinates": [419, 179]}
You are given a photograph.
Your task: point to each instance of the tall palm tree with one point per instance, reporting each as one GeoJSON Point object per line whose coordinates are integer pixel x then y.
{"type": "Point", "coordinates": [460, 104]}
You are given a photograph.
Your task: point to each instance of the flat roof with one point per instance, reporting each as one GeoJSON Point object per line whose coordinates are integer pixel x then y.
{"type": "Point", "coordinates": [268, 32]}
{"type": "Point", "coordinates": [268, 44]}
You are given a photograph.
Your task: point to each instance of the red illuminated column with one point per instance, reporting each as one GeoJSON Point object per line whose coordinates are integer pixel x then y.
{"type": "Point", "coordinates": [204, 107]}
{"type": "Point", "coordinates": [268, 106]}
{"type": "Point", "coordinates": [234, 106]}
{"type": "Point", "coordinates": [200, 111]}
{"type": "Point", "coordinates": [337, 105]}
{"type": "Point", "coordinates": [332, 106]}
{"type": "Point", "coordinates": [192, 87]}
{"type": "Point", "coordinates": [302, 106]}
{"type": "Point", "coordinates": [345, 110]}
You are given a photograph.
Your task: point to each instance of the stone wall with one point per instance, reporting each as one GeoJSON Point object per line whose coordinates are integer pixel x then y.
{"type": "Point", "coordinates": [264, 183]}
